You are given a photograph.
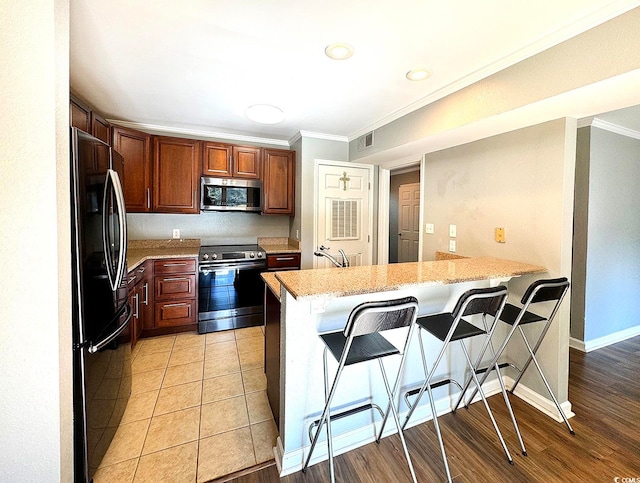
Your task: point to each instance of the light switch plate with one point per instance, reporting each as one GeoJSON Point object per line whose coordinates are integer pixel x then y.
{"type": "Point", "coordinates": [452, 246]}
{"type": "Point", "coordinates": [500, 235]}
{"type": "Point", "coordinates": [429, 228]}
{"type": "Point", "coordinates": [452, 231]}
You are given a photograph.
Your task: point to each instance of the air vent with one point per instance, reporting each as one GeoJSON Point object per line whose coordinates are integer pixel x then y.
{"type": "Point", "coordinates": [365, 141]}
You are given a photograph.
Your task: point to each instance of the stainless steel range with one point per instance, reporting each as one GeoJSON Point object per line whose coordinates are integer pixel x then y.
{"type": "Point", "coordinates": [230, 288]}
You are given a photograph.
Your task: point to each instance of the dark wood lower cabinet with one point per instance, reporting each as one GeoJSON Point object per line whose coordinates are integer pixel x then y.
{"type": "Point", "coordinates": [272, 350]}
{"type": "Point", "coordinates": [168, 296]}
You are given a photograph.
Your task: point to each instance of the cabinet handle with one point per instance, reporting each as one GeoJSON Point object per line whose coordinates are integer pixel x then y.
{"type": "Point", "coordinates": [133, 279]}
{"type": "Point", "coordinates": [175, 305]}
{"type": "Point", "coordinates": [183, 264]}
{"type": "Point", "coordinates": [137, 312]}
{"type": "Point", "coordinates": [284, 259]}
{"type": "Point", "coordinates": [174, 279]}
{"type": "Point", "coordinates": [195, 198]}
{"type": "Point", "coordinates": [149, 198]}
{"type": "Point", "coordinates": [146, 293]}
{"type": "Point", "coordinates": [142, 269]}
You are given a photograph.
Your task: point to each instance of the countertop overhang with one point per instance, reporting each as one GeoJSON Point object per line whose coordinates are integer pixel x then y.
{"type": "Point", "coordinates": [341, 282]}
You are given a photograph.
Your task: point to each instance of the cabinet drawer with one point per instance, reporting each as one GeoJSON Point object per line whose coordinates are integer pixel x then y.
{"type": "Point", "coordinates": [174, 265]}
{"type": "Point", "coordinates": [175, 287]}
{"type": "Point", "coordinates": [181, 312]}
{"type": "Point", "coordinates": [284, 261]}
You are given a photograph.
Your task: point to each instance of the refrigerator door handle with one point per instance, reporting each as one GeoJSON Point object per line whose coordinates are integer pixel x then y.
{"type": "Point", "coordinates": [92, 348]}
{"type": "Point", "coordinates": [113, 180]}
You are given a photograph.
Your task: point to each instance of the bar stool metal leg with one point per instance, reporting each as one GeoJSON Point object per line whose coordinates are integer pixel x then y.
{"type": "Point", "coordinates": [532, 357]}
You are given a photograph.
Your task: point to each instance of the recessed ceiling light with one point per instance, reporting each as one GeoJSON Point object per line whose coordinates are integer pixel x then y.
{"type": "Point", "coordinates": [418, 74]}
{"type": "Point", "coordinates": [339, 51]}
{"type": "Point", "coordinates": [265, 114]}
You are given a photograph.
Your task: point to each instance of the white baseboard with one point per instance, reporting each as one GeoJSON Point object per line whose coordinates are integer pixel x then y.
{"type": "Point", "coordinates": [288, 463]}
{"type": "Point", "coordinates": [593, 344]}
{"type": "Point", "coordinates": [539, 402]}
{"type": "Point", "coordinates": [291, 462]}
{"type": "Point", "coordinates": [577, 344]}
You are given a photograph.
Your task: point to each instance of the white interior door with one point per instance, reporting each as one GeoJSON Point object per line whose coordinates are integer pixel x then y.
{"type": "Point", "coordinates": [408, 222]}
{"type": "Point", "coordinates": [343, 212]}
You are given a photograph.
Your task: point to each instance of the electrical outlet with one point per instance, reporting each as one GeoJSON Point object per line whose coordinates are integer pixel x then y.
{"type": "Point", "coordinates": [429, 228]}
{"type": "Point", "coordinates": [452, 246]}
{"type": "Point", "coordinates": [297, 234]}
{"type": "Point", "coordinates": [452, 231]}
{"type": "Point", "coordinates": [176, 233]}
{"type": "Point", "coordinates": [500, 235]}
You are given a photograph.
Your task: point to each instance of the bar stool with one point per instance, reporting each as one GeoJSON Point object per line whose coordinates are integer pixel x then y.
{"type": "Point", "coordinates": [451, 327]}
{"type": "Point", "coordinates": [361, 341]}
{"type": "Point", "coordinates": [548, 290]}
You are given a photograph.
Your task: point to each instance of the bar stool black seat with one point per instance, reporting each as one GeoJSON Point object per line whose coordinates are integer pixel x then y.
{"type": "Point", "coordinates": [361, 341]}
{"type": "Point", "coordinates": [544, 290]}
{"type": "Point", "coordinates": [450, 327]}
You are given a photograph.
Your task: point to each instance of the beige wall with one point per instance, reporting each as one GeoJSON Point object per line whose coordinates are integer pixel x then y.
{"type": "Point", "coordinates": [35, 335]}
{"type": "Point", "coordinates": [522, 181]}
{"type": "Point", "coordinates": [604, 52]}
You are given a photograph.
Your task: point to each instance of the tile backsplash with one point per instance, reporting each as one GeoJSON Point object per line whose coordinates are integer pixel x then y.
{"type": "Point", "coordinates": [211, 228]}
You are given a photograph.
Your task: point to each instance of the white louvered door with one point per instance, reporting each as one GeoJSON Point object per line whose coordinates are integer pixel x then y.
{"type": "Point", "coordinates": [344, 220]}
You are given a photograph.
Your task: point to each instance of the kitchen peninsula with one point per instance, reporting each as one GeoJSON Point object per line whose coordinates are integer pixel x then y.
{"type": "Point", "coordinates": [316, 301]}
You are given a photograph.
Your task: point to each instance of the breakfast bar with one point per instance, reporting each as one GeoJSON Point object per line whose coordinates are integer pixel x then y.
{"type": "Point", "coordinates": [320, 300]}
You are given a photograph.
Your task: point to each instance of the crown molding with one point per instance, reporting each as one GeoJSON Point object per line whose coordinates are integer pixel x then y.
{"type": "Point", "coordinates": [609, 126]}
{"type": "Point", "coordinates": [318, 135]}
{"type": "Point", "coordinates": [198, 133]}
{"type": "Point", "coordinates": [545, 42]}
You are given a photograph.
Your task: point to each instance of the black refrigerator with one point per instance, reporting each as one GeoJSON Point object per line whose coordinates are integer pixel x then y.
{"type": "Point", "coordinates": [101, 313]}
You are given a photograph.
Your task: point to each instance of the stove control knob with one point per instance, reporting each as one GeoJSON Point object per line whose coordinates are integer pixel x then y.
{"type": "Point", "coordinates": [205, 256]}
{"type": "Point", "coordinates": [214, 256]}
{"type": "Point", "coordinates": [260, 255]}
{"type": "Point", "coordinates": [252, 255]}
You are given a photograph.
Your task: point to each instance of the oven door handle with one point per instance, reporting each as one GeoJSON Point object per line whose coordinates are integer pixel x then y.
{"type": "Point", "coordinates": [228, 266]}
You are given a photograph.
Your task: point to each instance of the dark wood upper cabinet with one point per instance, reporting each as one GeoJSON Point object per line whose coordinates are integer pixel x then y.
{"type": "Point", "coordinates": [100, 128]}
{"type": "Point", "coordinates": [246, 162]}
{"type": "Point", "coordinates": [230, 161]}
{"type": "Point", "coordinates": [216, 160]}
{"type": "Point", "coordinates": [79, 114]}
{"type": "Point", "coordinates": [278, 182]}
{"type": "Point", "coordinates": [135, 148]}
{"type": "Point", "coordinates": [176, 173]}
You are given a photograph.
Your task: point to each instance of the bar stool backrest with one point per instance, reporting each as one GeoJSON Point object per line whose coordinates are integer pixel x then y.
{"type": "Point", "coordinates": [545, 290]}
{"type": "Point", "coordinates": [370, 317]}
{"type": "Point", "coordinates": [480, 301]}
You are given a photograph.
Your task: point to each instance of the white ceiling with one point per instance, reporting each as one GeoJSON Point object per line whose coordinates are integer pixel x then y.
{"type": "Point", "coordinates": [196, 65]}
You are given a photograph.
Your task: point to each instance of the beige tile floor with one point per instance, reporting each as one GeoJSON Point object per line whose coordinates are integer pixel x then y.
{"type": "Point", "coordinates": [198, 410]}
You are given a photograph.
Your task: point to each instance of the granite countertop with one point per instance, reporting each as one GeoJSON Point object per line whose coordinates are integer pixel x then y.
{"type": "Point", "coordinates": [272, 282]}
{"type": "Point", "coordinates": [340, 282]}
{"type": "Point", "coordinates": [138, 251]}
{"type": "Point", "coordinates": [275, 245]}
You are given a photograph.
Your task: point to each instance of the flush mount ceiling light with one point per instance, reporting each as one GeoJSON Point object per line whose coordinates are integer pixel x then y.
{"type": "Point", "coordinates": [418, 74]}
{"type": "Point", "coordinates": [339, 51]}
{"type": "Point", "coordinates": [265, 114]}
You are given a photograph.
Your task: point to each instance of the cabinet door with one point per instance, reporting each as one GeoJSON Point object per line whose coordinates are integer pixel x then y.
{"type": "Point", "coordinates": [278, 182]}
{"type": "Point", "coordinates": [136, 318]}
{"type": "Point", "coordinates": [216, 160]}
{"type": "Point", "coordinates": [246, 162]}
{"type": "Point", "coordinates": [146, 294]}
{"type": "Point", "coordinates": [135, 148]}
{"type": "Point", "coordinates": [79, 114]}
{"type": "Point", "coordinates": [100, 128]}
{"type": "Point", "coordinates": [176, 171]}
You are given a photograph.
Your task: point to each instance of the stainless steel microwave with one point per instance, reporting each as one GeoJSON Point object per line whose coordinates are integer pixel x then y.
{"type": "Point", "coordinates": [226, 194]}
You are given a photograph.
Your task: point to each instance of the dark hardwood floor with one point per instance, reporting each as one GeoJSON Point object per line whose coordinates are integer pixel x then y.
{"type": "Point", "coordinates": [604, 388]}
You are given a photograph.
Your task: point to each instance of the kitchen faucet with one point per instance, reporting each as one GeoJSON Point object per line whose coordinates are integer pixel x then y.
{"type": "Point", "coordinates": [322, 253]}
